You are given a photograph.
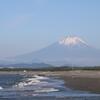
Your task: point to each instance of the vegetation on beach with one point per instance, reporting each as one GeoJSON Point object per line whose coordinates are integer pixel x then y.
{"type": "Point", "coordinates": [63, 68]}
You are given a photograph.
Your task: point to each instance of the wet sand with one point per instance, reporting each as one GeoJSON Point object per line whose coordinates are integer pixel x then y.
{"type": "Point", "coordinates": [78, 80]}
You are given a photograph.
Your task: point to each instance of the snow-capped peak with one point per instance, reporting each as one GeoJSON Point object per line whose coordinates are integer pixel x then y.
{"type": "Point", "coordinates": [72, 40]}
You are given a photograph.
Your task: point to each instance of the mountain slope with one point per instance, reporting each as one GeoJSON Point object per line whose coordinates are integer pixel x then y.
{"type": "Point", "coordinates": [68, 51]}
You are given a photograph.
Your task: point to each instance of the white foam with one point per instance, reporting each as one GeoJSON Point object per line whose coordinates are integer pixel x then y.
{"type": "Point", "coordinates": [32, 81]}
{"type": "Point", "coordinates": [1, 88]}
{"type": "Point", "coordinates": [46, 90]}
{"type": "Point", "coordinates": [40, 77]}
{"type": "Point", "coordinates": [38, 84]}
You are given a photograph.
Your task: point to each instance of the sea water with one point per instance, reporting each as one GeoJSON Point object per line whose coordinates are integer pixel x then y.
{"type": "Point", "coordinates": [36, 87]}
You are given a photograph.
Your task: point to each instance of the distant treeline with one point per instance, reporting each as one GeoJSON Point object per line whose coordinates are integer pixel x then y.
{"type": "Point", "coordinates": [63, 68]}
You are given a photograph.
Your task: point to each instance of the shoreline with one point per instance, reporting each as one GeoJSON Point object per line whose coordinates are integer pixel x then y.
{"type": "Point", "coordinates": [79, 80]}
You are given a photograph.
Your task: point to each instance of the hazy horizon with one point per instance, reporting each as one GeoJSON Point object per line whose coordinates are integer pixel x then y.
{"type": "Point", "coordinates": [29, 25]}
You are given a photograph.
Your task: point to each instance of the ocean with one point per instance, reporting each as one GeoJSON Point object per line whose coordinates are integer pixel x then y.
{"type": "Point", "coordinates": [38, 87]}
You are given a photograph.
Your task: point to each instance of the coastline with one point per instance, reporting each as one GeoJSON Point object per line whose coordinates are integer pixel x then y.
{"type": "Point", "coordinates": [78, 80]}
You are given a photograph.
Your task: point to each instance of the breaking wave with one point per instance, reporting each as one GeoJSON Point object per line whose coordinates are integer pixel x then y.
{"type": "Point", "coordinates": [1, 87]}
{"type": "Point", "coordinates": [47, 90]}
{"type": "Point", "coordinates": [38, 84]}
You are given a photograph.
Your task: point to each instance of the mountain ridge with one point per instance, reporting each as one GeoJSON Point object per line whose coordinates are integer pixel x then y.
{"type": "Point", "coordinates": [71, 50]}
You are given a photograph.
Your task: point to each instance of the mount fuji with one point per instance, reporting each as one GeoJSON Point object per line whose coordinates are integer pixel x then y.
{"type": "Point", "coordinates": [70, 50]}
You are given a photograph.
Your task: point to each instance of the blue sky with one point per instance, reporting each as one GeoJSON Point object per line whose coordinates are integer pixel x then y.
{"type": "Point", "coordinates": [28, 25]}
